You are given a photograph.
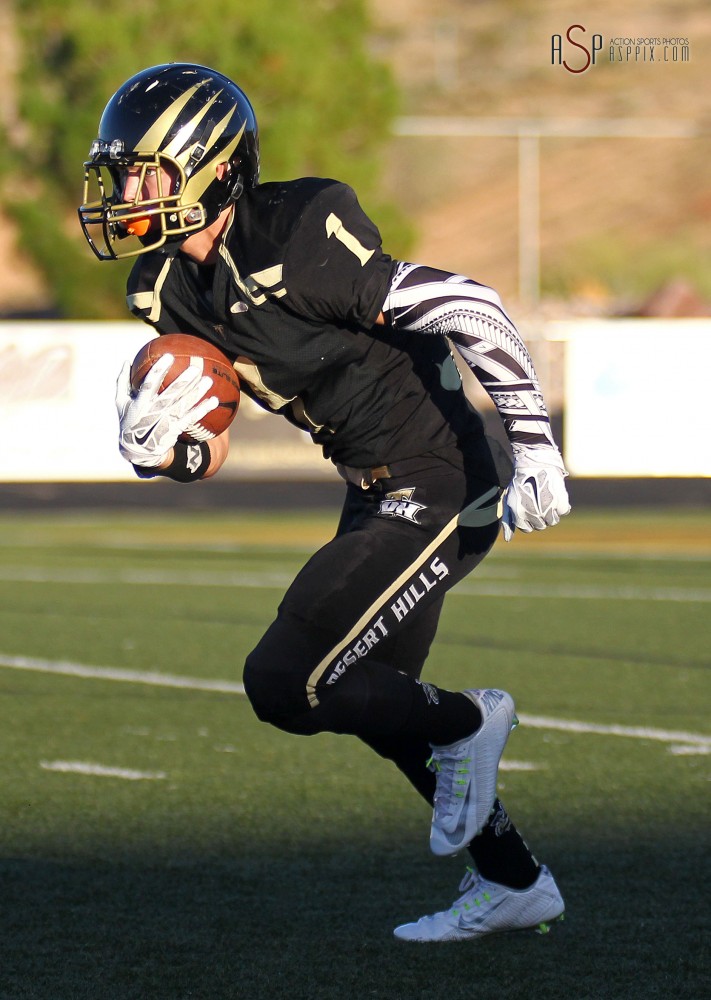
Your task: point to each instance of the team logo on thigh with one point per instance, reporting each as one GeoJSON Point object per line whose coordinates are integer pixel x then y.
{"type": "Point", "coordinates": [431, 693]}
{"type": "Point", "coordinates": [399, 503]}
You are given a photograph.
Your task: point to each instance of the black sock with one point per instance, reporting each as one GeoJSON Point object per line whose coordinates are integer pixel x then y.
{"type": "Point", "coordinates": [500, 853]}
{"type": "Point", "coordinates": [374, 699]}
{"type": "Point", "coordinates": [442, 717]}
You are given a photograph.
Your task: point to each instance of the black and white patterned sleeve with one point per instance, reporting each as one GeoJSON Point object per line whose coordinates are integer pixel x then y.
{"type": "Point", "coordinates": [425, 300]}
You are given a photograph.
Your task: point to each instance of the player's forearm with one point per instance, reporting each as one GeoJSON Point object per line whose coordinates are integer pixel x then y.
{"type": "Point", "coordinates": [425, 300]}
{"type": "Point", "coordinates": [507, 374]}
{"type": "Point", "coordinates": [219, 448]}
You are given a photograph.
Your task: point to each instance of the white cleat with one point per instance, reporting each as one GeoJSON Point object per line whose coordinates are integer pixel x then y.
{"type": "Point", "coordinates": [488, 908]}
{"type": "Point", "coordinates": [466, 774]}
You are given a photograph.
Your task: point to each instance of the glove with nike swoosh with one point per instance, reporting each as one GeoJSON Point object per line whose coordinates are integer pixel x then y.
{"type": "Point", "coordinates": [536, 497]}
{"type": "Point", "coordinates": [150, 421]}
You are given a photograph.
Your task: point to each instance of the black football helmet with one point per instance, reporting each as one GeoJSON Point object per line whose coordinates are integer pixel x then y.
{"type": "Point", "coordinates": [174, 122]}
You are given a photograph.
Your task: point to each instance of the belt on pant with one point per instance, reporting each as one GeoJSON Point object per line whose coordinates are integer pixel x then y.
{"type": "Point", "coordinates": [486, 509]}
{"type": "Point", "coordinates": [365, 478]}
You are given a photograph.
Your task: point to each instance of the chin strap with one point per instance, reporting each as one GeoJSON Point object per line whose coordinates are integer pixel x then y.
{"type": "Point", "coordinates": [237, 189]}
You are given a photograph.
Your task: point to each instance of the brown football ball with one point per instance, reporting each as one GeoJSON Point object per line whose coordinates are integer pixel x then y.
{"type": "Point", "coordinates": [184, 347]}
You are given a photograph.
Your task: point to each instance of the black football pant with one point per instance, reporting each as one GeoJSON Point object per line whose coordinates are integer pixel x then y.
{"type": "Point", "coordinates": [354, 629]}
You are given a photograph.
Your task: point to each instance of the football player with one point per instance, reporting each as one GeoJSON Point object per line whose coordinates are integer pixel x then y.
{"type": "Point", "coordinates": [365, 353]}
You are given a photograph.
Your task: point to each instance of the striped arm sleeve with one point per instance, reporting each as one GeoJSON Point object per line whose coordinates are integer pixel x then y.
{"type": "Point", "coordinates": [425, 300]}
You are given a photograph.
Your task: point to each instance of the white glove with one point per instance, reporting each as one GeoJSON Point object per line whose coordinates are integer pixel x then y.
{"type": "Point", "coordinates": [151, 421]}
{"type": "Point", "coordinates": [536, 497]}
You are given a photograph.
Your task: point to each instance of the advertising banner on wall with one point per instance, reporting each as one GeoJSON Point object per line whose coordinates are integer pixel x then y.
{"type": "Point", "coordinates": [635, 402]}
{"type": "Point", "coordinates": [58, 418]}
{"type": "Point", "coordinates": [57, 387]}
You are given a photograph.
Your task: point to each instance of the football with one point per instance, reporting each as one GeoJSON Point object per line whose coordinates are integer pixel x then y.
{"type": "Point", "coordinates": [225, 383]}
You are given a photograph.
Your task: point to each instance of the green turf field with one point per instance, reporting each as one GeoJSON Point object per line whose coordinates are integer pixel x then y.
{"type": "Point", "coordinates": [158, 843]}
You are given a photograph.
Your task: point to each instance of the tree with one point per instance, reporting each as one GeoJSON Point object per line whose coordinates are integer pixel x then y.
{"type": "Point", "coordinates": [323, 103]}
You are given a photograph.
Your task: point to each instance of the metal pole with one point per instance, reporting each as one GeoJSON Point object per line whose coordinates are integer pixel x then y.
{"type": "Point", "coordinates": [529, 218]}
{"type": "Point", "coordinates": [529, 132]}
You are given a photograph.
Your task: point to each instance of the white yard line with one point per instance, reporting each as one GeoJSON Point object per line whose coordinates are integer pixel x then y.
{"type": "Point", "coordinates": [635, 732]}
{"type": "Point", "coordinates": [118, 674]}
{"type": "Point", "coordinates": [155, 678]}
{"type": "Point", "coordinates": [620, 553]}
{"type": "Point", "coordinates": [101, 771]}
{"type": "Point", "coordinates": [595, 549]}
{"type": "Point", "coordinates": [518, 765]}
{"type": "Point", "coordinates": [192, 578]}
{"type": "Point", "coordinates": [470, 588]}
{"type": "Point", "coordinates": [277, 581]}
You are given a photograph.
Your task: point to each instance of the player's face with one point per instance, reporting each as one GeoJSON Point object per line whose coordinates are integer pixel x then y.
{"type": "Point", "coordinates": [141, 184]}
{"type": "Point", "coordinates": [137, 187]}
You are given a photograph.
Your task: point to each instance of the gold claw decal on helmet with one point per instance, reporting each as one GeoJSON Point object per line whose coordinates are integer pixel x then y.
{"type": "Point", "coordinates": [157, 133]}
{"type": "Point", "coordinates": [176, 144]}
{"type": "Point", "coordinates": [197, 183]}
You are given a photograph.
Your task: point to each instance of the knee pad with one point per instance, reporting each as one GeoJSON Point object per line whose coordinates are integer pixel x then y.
{"type": "Point", "coordinates": [277, 671]}
{"type": "Point", "coordinates": [260, 688]}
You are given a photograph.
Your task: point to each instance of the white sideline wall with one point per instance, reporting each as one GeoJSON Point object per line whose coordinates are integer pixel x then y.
{"type": "Point", "coordinates": [58, 417]}
{"type": "Point", "coordinates": [628, 408]}
{"type": "Point", "coordinates": [634, 398]}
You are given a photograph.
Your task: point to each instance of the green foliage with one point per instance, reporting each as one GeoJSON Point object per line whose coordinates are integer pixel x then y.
{"type": "Point", "coordinates": [81, 287]}
{"type": "Point", "coordinates": [323, 104]}
{"type": "Point", "coordinates": [628, 267]}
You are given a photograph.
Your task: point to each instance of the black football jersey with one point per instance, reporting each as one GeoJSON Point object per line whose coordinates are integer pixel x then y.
{"type": "Point", "coordinates": [292, 300]}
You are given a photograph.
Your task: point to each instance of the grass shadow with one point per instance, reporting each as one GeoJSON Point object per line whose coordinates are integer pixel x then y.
{"type": "Point", "coordinates": [317, 923]}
